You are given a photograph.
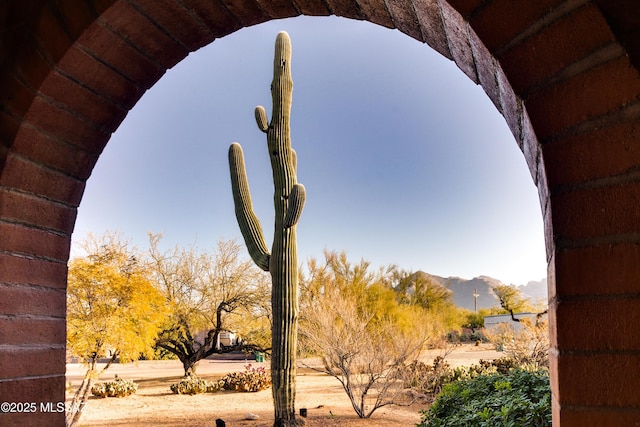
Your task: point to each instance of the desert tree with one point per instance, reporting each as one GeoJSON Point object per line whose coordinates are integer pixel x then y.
{"type": "Point", "coordinates": [206, 294]}
{"type": "Point", "coordinates": [511, 300]}
{"type": "Point", "coordinates": [419, 289]}
{"type": "Point", "coordinates": [113, 310]}
{"type": "Point", "coordinates": [352, 322]}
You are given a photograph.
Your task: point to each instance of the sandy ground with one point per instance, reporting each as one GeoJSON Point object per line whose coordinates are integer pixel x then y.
{"type": "Point", "coordinates": [155, 405]}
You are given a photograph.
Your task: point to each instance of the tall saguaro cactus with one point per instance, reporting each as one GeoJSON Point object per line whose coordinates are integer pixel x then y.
{"type": "Point", "coordinates": [282, 262]}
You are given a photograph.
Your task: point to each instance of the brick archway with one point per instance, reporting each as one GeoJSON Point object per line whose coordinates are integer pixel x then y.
{"type": "Point", "coordinates": [564, 74]}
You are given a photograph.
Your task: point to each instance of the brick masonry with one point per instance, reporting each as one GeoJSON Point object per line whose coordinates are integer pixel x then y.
{"type": "Point", "coordinates": [562, 72]}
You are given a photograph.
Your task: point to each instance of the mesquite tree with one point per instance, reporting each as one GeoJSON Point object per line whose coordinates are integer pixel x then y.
{"type": "Point", "coordinates": [282, 261]}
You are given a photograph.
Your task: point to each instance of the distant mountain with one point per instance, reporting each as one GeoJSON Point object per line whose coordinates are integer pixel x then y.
{"type": "Point", "coordinates": [462, 290]}
{"type": "Point", "coordinates": [535, 291]}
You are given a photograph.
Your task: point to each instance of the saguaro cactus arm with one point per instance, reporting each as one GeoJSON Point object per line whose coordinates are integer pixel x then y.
{"type": "Point", "coordinates": [247, 219]}
{"type": "Point", "coordinates": [296, 204]}
{"type": "Point", "coordinates": [261, 118]}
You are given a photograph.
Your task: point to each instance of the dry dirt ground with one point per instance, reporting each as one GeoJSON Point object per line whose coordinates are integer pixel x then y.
{"type": "Point", "coordinates": [155, 405]}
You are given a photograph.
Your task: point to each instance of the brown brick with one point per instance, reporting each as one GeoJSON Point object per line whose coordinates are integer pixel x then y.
{"type": "Point", "coordinates": [600, 380]}
{"type": "Point", "coordinates": [377, 12]}
{"type": "Point", "coordinates": [31, 177]}
{"type": "Point", "coordinates": [459, 44]}
{"type": "Point", "coordinates": [177, 21]}
{"type": "Point", "coordinates": [555, 405]}
{"type": "Point", "coordinates": [500, 21]}
{"type": "Point", "coordinates": [32, 331]}
{"type": "Point", "coordinates": [247, 12]}
{"type": "Point", "coordinates": [37, 212]}
{"type": "Point", "coordinates": [33, 242]}
{"type": "Point", "coordinates": [553, 323]}
{"type": "Point", "coordinates": [550, 244]}
{"type": "Point", "coordinates": [65, 125]}
{"type": "Point", "coordinates": [100, 78]}
{"type": "Point", "coordinates": [465, 7]}
{"type": "Point", "coordinates": [215, 16]}
{"type": "Point", "coordinates": [278, 9]}
{"type": "Point", "coordinates": [51, 34]}
{"type": "Point", "coordinates": [617, 320]}
{"type": "Point", "coordinates": [8, 129]}
{"type": "Point", "coordinates": [583, 214]}
{"type": "Point", "coordinates": [59, 155]}
{"type": "Point", "coordinates": [145, 35]}
{"type": "Point", "coordinates": [405, 18]}
{"type": "Point", "coordinates": [44, 389]}
{"type": "Point", "coordinates": [77, 16]}
{"type": "Point", "coordinates": [345, 8]}
{"type": "Point", "coordinates": [606, 269]}
{"type": "Point", "coordinates": [597, 417]}
{"type": "Point", "coordinates": [114, 51]}
{"type": "Point", "coordinates": [44, 418]}
{"type": "Point", "coordinates": [487, 68]}
{"type": "Point", "coordinates": [15, 95]}
{"type": "Point", "coordinates": [430, 19]}
{"type": "Point", "coordinates": [38, 272]}
{"type": "Point", "coordinates": [313, 7]}
{"type": "Point", "coordinates": [25, 362]}
{"type": "Point", "coordinates": [551, 275]}
{"type": "Point", "coordinates": [21, 300]}
{"type": "Point", "coordinates": [529, 145]}
{"type": "Point", "coordinates": [602, 152]}
{"type": "Point", "coordinates": [83, 102]}
{"type": "Point", "coordinates": [584, 97]}
{"type": "Point", "coordinates": [567, 40]}
{"type": "Point", "coordinates": [32, 66]}
{"type": "Point", "coordinates": [553, 366]}
{"type": "Point", "coordinates": [511, 105]}
{"type": "Point", "coordinates": [101, 6]}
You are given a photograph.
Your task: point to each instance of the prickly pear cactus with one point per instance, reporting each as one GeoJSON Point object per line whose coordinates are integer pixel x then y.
{"type": "Point", "coordinates": [282, 261]}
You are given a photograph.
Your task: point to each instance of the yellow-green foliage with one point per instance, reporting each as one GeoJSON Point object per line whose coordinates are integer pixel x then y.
{"type": "Point", "coordinates": [111, 305]}
{"type": "Point", "coordinates": [375, 295]}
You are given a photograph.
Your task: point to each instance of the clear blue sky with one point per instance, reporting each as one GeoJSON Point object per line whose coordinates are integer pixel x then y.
{"type": "Point", "coordinates": [405, 160]}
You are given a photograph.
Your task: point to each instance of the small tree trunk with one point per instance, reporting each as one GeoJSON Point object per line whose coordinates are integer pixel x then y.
{"type": "Point", "coordinates": [82, 394]}
{"type": "Point", "coordinates": [189, 367]}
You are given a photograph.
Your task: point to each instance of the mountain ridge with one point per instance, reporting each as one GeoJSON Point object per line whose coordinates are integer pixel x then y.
{"type": "Point", "coordinates": [462, 290]}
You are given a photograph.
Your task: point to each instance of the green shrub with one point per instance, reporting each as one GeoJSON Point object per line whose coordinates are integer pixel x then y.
{"type": "Point", "coordinates": [252, 379]}
{"type": "Point", "coordinates": [521, 398]}
{"type": "Point", "coordinates": [195, 385]}
{"type": "Point", "coordinates": [116, 388]}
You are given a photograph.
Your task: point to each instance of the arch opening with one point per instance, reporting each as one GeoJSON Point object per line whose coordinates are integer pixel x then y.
{"type": "Point", "coordinates": [106, 54]}
{"type": "Point", "coordinates": [388, 133]}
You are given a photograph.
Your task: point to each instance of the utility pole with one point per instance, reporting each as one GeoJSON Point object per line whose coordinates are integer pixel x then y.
{"type": "Point", "coordinates": [475, 300]}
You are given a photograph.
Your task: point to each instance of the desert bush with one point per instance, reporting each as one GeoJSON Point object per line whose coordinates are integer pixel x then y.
{"type": "Point", "coordinates": [363, 352]}
{"type": "Point", "coordinates": [115, 388]}
{"type": "Point", "coordinates": [527, 345]}
{"type": "Point", "coordinates": [425, 378]}
{"type": "Point", "coordinates": [195, 385]}
{"type": "Point", "coordinates": [251, 380]}
{"type": "Point", "coordinates": [430, 379]}
{"type": "Point", "coordinates": [522, 398]}
{"type": "Point", "coordinates": [503, 365]}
